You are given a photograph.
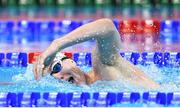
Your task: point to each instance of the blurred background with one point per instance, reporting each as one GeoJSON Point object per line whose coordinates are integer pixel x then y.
{"type": "Point", "coordinates": [144, 25]}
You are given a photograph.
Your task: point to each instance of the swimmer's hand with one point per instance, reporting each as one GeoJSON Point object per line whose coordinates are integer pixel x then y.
{"type": "Point", "coordinates": [41, 66]}
{"type": "Point", "coordinates": [38, 67]}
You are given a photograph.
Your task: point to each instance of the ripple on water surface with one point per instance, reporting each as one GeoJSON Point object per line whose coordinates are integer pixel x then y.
{"type": "Point", "coordinates": [23, 81]}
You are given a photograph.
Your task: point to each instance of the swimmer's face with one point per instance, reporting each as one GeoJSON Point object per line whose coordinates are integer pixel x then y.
{"type": "Point", "coordinates": [70, 72]}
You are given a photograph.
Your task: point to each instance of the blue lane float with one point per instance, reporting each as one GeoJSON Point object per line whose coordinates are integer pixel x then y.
{"type": "Point", "coordinates": [77, 99]}
{"type": "Point", "coordinates": [158, 58]}
{"type": "Point", "coordinates": [3, 99]}
{"type": "Point", "coordinates": [11, 100]}
{"type": "Point", "coordinates": [116, 23]}
{"type": "Point", "coordinates": [166, 58]}
{"type": "Point", "coordinates": [2, 56]}
{"type": "Point", "coordinates": [173, 98]}
{"type": "Point", "coordinates": [45, 31]}
{"type": "Point", "coordinates": [122, 54]}
{"type": "Point", "coordinates": [134, 58]}
{"type": "Point", "coordinates": [169, 31]}
{"type": "Point", "coordinates": [16, 59]}
{"type": "Point", "coordinates": [85, 21]}
{"type": "Point", "coordinates": [178, 58]}
{"type": "Point", "coordinates": [161, 98]}
{"type": "Point", "coordinates": [24, 99]}
{"type": "Point", "coordinates": [134, 97]}
{"type": "Point", "coordinates": [67, 26]}
{"type": "Point", "coordinates": [25, 31]}
{"type": "Point", "coordinates": [85, 59]}
{"type": "Point", "coordinates": [144, 58]}
{"type": "Point", "coordinates": [35, 97]}
{"type": "Point", "coordinates": [6, 31]}
{"type": "Point", "coordinates": [51, 99]}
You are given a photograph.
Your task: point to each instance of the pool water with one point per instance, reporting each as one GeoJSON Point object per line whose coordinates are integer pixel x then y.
{"type": "Point", "coordinates": [23, 81]}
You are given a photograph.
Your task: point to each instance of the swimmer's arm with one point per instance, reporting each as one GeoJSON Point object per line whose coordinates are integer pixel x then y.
{"type": "Point", "coordinates": [102, 30]}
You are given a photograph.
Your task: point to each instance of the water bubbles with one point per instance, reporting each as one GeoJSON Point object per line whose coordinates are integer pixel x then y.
{"type": "Point", "coordinates": [114, 46]}
{"type": "Point", "coordinates": [86, 35]}
{"type": "Point", "coordinates": [149, 22]}
{"type": "Point", "coordinates": [102, 45]}
{"type": "Point", "coordinates": [132, 31]}
{"type": "Point", "coordinates": [93, 39]}
{"type": "Point", "coordinates": [77, 41]}
{"type": "Point", "coordinates": [28, 75]}
{"type": "Point", "coordinates": [103, 31]}
{"type": "Point", "coordinates": [155, 71]}
{"type": "Point", "coordinates": [104, 28]}
{"type": "Point", "coordinates": [80, 39]}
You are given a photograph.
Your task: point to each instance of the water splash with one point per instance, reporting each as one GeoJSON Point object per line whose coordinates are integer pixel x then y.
{"type": "Point", "coordinates": [24, 81]}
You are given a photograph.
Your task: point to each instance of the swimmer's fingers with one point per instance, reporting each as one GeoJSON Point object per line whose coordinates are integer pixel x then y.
{"type": "Point", "coordinates": [38, 68]}
{"type": "Point", "coordinates": [45, 71]}
{"type": "Point", "coordinates": [35, 70]}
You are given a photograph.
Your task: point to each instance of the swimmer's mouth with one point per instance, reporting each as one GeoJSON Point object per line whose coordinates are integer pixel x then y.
{"type": "Point", "coordinates": [71, 79]}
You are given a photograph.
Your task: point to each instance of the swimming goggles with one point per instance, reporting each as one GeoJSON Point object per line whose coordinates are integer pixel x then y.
{"type": "Point", "coordinates": [57, 63]}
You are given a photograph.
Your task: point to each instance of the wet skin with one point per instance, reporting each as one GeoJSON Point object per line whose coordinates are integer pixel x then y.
{"type": "Point", "coordinates": [107, 64]}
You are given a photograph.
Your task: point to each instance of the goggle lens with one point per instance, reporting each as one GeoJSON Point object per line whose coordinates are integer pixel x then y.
{"type": "Point", "coordinates": [57, 67]}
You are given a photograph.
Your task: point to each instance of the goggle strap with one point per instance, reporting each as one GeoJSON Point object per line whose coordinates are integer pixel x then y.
{"type": "Point", "coordinates": [64, 58]}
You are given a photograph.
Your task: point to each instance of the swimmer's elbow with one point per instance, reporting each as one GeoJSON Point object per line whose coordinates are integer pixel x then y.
{"type": "Point", "coordinates": [108, 25]}
{"type": "Point", "coordinates": [107, 22]}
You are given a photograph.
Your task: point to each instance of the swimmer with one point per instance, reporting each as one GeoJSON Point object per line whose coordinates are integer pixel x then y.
{"type": "Point", "coordinates": [107, 63]}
